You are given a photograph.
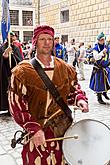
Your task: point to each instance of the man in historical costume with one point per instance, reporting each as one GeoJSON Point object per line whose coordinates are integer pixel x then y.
{"type": "Point", "coordinates": [5, 70]}
{"type": "Point", "coordinates": [108, 45]}
{"type": "Point", "coordinates": [100, 78]}
{"type": "Point", "coordinates": [17, 43]}
{"type": "Point", "coordinates": [33, 107]}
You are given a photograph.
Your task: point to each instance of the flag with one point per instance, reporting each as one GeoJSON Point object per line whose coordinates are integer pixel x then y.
{"type": "Point", "coordinates": [5, 23]}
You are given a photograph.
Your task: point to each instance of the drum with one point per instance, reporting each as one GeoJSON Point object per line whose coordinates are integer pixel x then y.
{"type": "Point", "coordinates": [92, 147]}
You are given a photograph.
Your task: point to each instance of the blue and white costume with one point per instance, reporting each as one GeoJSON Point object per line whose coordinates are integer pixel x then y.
{"type": "Point", "coordinates": [100, 78]}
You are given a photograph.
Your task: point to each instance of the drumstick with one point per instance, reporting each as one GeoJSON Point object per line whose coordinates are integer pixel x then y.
{"type": "Point", "coordinates": [62, 138]}
{"type": "Point", "coordinates": [54, 139]}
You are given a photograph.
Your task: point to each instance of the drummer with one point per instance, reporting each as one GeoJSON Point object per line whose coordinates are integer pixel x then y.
{"type": "Point", "coordinates": [32, 106]}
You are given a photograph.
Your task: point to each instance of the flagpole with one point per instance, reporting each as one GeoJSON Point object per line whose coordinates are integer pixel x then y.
{"type": "Point", "coordinates": [9, 45]}
{"type": "Point", "coordinates": [5, 25]}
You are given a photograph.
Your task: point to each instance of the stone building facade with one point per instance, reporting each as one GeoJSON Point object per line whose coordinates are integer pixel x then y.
{"type": "Point", "coordinates": [87, 18]}
{"type": "Point", "coordinates": [24, 16]}
{"type": "Point", "coordinates": [79, 19]}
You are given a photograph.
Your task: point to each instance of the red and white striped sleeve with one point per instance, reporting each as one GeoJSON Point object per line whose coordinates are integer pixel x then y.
{"type": "Point", "coordinates": [18, 107]}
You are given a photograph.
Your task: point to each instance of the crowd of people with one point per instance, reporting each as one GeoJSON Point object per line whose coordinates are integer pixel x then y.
{"type": "Point", "coordinates": [32, 104]}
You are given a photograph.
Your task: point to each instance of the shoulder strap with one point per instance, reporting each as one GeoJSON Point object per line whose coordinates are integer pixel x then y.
{"type": "Point", "coordinates": [52, 89]}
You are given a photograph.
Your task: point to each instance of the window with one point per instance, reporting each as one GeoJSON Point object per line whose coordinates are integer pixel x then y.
{"type": "Point", "coordinates": [27, 17]}
{"type": "Point", "coordinates": [64, 16]}
{"type": "Point", "coordinates": [27, 35]}
{"type": "Point", "coordinates": [14, 17]}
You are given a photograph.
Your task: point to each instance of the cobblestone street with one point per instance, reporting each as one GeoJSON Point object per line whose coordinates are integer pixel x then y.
{"type": "Point", "coordinates": [8, 127]}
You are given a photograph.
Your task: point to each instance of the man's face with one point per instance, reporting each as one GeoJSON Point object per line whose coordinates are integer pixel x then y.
{"type": "Point", "coordinates": [14, 38]}
{"type": "Point", "coordinates": [101, 41]}
{"type": "Point", "coordinates": [44, 44]}
{"type": "Point", "coordinates": [11, 38]}
{"type": "Point", "coordinates": [56, 41]}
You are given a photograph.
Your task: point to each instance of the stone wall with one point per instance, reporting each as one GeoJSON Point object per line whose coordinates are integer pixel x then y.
{"type": "Point", "coordinates": [87, 18]}
{"type": "Point", "coordinates": [21, 2]}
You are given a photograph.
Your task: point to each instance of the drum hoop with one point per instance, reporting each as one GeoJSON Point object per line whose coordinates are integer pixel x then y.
{"type": "Point", "coordinates": [91, 120]}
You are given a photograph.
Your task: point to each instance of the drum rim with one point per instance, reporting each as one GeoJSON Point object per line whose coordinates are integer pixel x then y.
{"type": "Point", "coordinates": [91, 120]}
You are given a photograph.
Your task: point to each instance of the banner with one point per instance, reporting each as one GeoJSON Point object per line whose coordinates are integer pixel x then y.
{"type": "Point", "coordinates": [5, 23]}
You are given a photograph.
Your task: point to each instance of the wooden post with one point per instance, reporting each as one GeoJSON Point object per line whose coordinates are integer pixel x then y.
{"type": "Point", "coordinates": [9, 45]}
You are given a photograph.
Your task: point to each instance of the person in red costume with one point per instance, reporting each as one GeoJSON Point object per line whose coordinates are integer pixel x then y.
{"type": "Point", "coordinates": [33, 107]}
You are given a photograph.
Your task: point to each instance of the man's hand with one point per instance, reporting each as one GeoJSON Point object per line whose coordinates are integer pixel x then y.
{"type": "Point", "coordinates": [7, 51]}
{"type": "Point", "coordinates": [104, 51]}
{"type": "Point", "coordinates": [83, 105]}
{"type": "Point", "coordinates": [38, 138]}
